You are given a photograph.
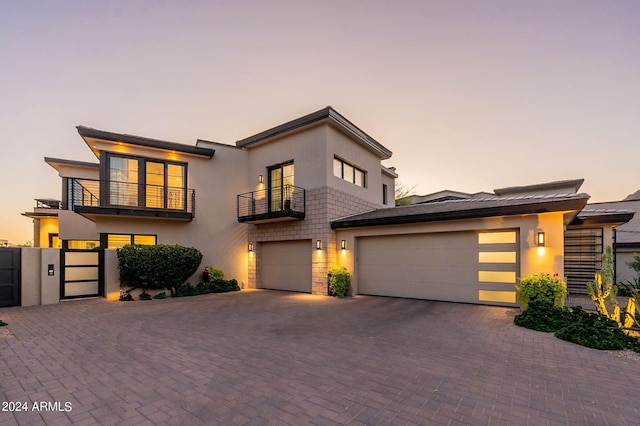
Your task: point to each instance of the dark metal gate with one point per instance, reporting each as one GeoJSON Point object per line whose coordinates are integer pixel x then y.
{"type": "Point", "coordinates": [582, 257]}
{"type": "Point", "coordinates": [9, 277]}
{"type": "Point", "coordinates": [80, 273]}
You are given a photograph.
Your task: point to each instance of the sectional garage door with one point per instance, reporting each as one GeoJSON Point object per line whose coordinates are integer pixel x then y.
{"type": "Point", "coordinates": [470, 266]}
{"type": "Point", "coordinates": [286, 265]}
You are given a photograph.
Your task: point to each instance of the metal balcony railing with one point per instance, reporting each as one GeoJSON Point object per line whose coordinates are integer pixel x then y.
{"type": "Point", "coordinates": [127, 195]}
{"type": "Point", "coordinates": [287, 201]}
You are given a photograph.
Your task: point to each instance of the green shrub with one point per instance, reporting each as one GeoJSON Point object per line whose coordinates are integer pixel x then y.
{"type": "Point", "coordinates": [126, 297]}
{"type": "Point", "coordinates": [144, 296]}
{"type": "Point", "coordinates": [157, 267]}
{"type": "Point", "coordinates": [576, 326]}
{"type": "Point", "coordinates": [214, 273]}
{"type": "Point", "coordinates": [204, 288]}
{"type": "Point", "coordinates": [542, 288]}
{"type": "Point", "coordinates": [185, 290]}
{"type": "Point", "coordinates": [162, 295]}
{"type": "Point", "coordinates": [595, 331]}
{"type": "Point", "coordinates": [339, 281]}
{"type": "Point", "coordinates": [544, 317]}
{"type": "Point", "coordinates": [224, 286]}
{"type": "Point", "coordinates": [3, 324]}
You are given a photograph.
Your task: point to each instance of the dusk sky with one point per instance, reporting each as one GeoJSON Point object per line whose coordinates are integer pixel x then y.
{"type": "Point", "coordinates": [469, 95]}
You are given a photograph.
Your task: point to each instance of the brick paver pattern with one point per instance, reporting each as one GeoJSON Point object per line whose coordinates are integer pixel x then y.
{"type": "Point", "coordinates": [269, 357]}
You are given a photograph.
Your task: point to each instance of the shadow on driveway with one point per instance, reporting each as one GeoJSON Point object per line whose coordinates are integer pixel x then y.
{"type": "Point", "coordinates": [262, 356]}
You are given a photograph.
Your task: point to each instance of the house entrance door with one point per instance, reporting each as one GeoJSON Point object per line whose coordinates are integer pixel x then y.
{"type": "Point", "coordinates": [81, 273]}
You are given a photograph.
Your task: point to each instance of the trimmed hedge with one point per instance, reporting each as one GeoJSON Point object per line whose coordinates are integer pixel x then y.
{"type": "Point", "coordinates": [157, 267]}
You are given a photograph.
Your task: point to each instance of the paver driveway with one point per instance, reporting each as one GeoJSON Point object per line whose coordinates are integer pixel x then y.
{"type": "Point", "coordinates": [258, 357]}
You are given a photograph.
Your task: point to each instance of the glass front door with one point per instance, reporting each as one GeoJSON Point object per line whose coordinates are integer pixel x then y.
{"type": "Point", "coordinates": [281, 187]}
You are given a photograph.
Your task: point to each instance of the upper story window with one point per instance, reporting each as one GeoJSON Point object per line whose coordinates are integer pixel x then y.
{"type": "Point", "coordinates": [281, 186]}
{"type": "Point", "coordinates": [348, 172]}
{"type": "Point", "coordinates": [385, 191]}
{"type": "Point", "coordinates": [141, 182]}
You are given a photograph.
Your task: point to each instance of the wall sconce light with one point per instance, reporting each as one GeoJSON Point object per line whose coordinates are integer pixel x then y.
{"type": "Point", "coordinates": [250, 247]}
{"type": "Point", "coordinates": [540, 239]}
{"type": "Point", "coordinates": [260, 179]}
{"type": "Point", "coordinates": [318, 244]}
{"type": "Point", "coordinates": [343, 244]}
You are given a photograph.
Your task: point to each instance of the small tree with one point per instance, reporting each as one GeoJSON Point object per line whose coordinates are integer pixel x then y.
{"type": "Point", "coordinates": [403, 193]}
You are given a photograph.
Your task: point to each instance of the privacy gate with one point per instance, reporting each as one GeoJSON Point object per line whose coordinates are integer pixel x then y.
{"type": "Point", "coordinates": [80, 273]}
{"type": "Point", "coordinates": [9, 277]}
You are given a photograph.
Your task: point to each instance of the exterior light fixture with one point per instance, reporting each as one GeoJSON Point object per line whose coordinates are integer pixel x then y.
{"type": "Point", "coordinates": [318, 244]}
{"type": "Point", "coordinates": [540, 239]}
{"type": "Point", "coordinates": [260, 179]}
{"type": "Point", "coordinates": [343, 244]}
{"type": "Point", "coordinates": [250, 247]}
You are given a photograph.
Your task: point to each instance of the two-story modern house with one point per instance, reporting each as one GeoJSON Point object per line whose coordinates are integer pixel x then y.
{"type": "Point", "coordinates": [278, 209]}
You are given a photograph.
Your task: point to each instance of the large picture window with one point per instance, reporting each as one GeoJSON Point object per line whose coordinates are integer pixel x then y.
{"type": "Point", "coordinates": [349, 172]}
{"type": "Point", "coordinates": [153, 184]}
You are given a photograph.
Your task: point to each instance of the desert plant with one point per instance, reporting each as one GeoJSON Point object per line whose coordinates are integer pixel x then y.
{"type": "Point", "coordinates": [162, 295]}
{"type": "Point", "coordinates": [125, 297]}
{"type": "Point", "coordinates": [144, 296]}
{"type": "Point", "coordinates": [602, 288]}
{"type": "Point", "coordinates": [339, 281]}
{"type": "Point", "coordinates": [3, 324]}
{"type": "Point", "coordinates": [542, 288]}
{"type": "Point", "coordinates": [157, 267]}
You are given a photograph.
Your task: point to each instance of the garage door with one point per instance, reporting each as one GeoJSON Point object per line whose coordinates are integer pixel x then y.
{"type": "Point", "coordinates": [286, 265]}
{"type": "Point", "coordinates": [471, 267]}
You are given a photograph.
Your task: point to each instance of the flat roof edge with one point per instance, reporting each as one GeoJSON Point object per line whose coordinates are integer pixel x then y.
{"type": "Point", "coordinates": [88, 132]}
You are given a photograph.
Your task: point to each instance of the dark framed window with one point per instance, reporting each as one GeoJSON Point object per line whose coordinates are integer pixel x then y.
{"type": "Point", "coordinates": [143, 182]}
{"type": "Point", "coordinates": [281, 186]}
{"type": "Point", "coordinates": [349, 172]}
{"type": "Point", "coordinates": [114, 241]}
{"type": "Point", "coordinates": [384, 194]}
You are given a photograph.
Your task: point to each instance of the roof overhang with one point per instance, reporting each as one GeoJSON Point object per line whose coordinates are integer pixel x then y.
{"type": "Point", "coordinates": [466, 209]}
{"type": "Point", "coordinates": [40, 215]}
{"type": "Point", "coordinates": [614, 217]}
{"type": "Point", "coordinates": [324, 116]}
{"type": "Point", "coordinates": [93, 136]}
{"type": "Point", "coordinates": [56, 163]}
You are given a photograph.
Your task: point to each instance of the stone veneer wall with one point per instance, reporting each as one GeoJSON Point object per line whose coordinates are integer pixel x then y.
{"type": "Point", "coordinates": [322, 205]}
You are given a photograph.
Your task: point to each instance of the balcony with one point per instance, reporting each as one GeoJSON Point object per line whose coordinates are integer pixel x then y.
{"type": "Point", "coordinates": [271, 205]}
{"type": "Point", "coordinates": [92, 198]}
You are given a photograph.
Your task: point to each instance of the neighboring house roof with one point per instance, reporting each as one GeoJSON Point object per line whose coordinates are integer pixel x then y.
{"type": "Point", "coordinates": [328, 115]}
{"type": "Point", "coordinates": [629, 232]}
{"type": "Point", "coordinates": [57, 162]}
{"type": "Point", "coordinates": [590, 216]}
{"type": "Point", "coordinates": [445, 195]}
{"type": "Point", "coordinates": [465, 209]}
{"type": "Point", "coordinates": [572, 184]}
{"type": "Point", "coordinates": [633, 197]}
{"type": "Point", "coordinates": [390, 171]}
{"type": "Point", "coordinates": [91, 135]}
